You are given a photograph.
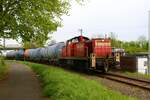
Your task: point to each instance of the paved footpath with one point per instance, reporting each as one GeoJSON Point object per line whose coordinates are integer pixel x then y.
{"type": "Point", "coordinates": [21, 84]}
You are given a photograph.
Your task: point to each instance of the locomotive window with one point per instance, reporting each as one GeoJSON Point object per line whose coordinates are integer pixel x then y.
{"type": "Point", "coordinates": [75, 40]}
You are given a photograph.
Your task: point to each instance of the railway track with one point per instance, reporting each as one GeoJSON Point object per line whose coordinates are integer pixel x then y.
{"type": "Point", "coordinates": [140, 83]}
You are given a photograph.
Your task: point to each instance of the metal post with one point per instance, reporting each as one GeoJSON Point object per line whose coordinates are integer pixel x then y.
{"type": "Point", "coordinates": [149, 42]}
{"type": "Point", "coordinates": [81, 31]}
{"type": "Point", "coordinates": [4, 43]}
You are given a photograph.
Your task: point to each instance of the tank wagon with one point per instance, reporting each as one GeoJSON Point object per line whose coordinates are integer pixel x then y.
{"type": "Point", "coordinates": [19, 55]}
{"type": "Point", "coordinates": [80, 51]}
{"type": "Point", "coordinates": [52, 53]}
{"type": "Point", "coordinates": [11, 55]}
{"type": "Point", "coordinates": [49, 54]}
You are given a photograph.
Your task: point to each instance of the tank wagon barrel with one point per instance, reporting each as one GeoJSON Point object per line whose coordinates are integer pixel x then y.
{"type": "Point", "coordinates": [19, 55]}
{"type": "Point", "coordinates": [11, 55]}
{"type": "Point", "coordinates": [34, 54]}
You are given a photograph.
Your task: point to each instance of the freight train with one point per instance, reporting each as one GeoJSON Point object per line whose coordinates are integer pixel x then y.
{"type": "Point", "coordinates": [78, 52]}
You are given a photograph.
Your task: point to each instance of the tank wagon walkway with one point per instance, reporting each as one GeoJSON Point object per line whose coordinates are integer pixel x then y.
{"type": "Point", "coordinates": [21, 84]}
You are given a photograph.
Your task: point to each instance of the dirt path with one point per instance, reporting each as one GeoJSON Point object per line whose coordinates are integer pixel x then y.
{"type": "Point", "coordinates": [20, 85]}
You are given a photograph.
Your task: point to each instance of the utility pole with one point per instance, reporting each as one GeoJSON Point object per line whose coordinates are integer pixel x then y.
{"type": "Point", "coordinates": [81, 31]}
{"type": "Point", "coordinates": [149, 42]}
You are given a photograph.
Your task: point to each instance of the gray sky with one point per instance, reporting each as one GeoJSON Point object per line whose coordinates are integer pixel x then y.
{"type": "Point", "coordinates": [127, 18]}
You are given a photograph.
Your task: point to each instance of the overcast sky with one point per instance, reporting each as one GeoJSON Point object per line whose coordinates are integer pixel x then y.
{"type": "Point", "coordinates": [127, 18]}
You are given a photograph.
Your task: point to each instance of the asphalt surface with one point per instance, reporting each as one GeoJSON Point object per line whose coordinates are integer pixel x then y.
{"type": "Point", "coordinates": [21, 84]}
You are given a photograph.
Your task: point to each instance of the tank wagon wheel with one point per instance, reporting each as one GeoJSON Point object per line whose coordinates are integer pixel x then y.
{"type": "Point", "coordinates": [106, 66]}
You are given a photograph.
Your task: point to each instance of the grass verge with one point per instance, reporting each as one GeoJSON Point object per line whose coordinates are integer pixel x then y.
{"type": "Point", "coordinates": [3, 68]}
{"type": "Point", "coordinates": [59, 84]}
{"type": "Point", "coordinates": [135, 74]}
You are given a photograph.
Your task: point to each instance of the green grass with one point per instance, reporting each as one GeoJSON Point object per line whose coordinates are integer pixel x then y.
{"type": "Point", "coordinates": [59, 84]}
{"type": "Point", "coordinates": [135, 74]}
{"type": "Point", "coordinates": [3, 68]}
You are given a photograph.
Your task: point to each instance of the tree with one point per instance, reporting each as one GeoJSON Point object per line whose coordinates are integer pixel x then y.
{"type": "Point", "coordinates": [31, 20]}
{"type": "Point", "coordinates": [143, 43]}
{"type": "Point", "coordinates": [97, 36]}
{"type": "Point", "coordinates": [114, 41]}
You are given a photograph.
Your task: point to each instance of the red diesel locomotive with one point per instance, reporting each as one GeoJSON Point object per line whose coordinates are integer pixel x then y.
{"type": "Point", "coordinates": [81, 52]}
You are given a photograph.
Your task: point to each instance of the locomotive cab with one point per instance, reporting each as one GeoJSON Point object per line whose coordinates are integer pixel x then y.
{"type": "Point", "coordinates": [78, 39]}
{"type": "Point", "coordinates": [73, 45]}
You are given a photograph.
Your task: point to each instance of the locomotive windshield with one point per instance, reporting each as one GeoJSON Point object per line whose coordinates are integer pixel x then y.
{"type": "Point", "coordinates": [78, 39]}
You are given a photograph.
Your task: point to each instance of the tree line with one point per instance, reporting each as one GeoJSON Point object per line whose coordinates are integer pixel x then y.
{"type": "Point", "coordinates": [30, 21]}
{"type": "Point", "coordinates": [140, 45]}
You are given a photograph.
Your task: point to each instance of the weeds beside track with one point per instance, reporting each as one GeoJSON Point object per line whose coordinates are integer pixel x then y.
{"type": "Point", "coordinates": [60, 84]}
{"type": "Point", "coordinates": [3, 68]}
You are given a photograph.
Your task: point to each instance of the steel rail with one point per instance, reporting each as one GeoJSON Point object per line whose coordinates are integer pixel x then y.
{"type": "Point", "coordinates": [141, 83]}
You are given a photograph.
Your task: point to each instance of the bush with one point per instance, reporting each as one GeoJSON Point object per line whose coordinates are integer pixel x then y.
{"type": "Point", "coordinates": [2, 61]}
{"type": "Point", "coordinates": [136, 74]}
{"type": "Point", "coordinates": [3, 68]}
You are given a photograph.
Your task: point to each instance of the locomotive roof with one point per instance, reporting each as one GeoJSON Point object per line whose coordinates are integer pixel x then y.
{"type": "Point", "coordinates": [101, 38]}
{"type": "Point", "coordinates": [78, 37]}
